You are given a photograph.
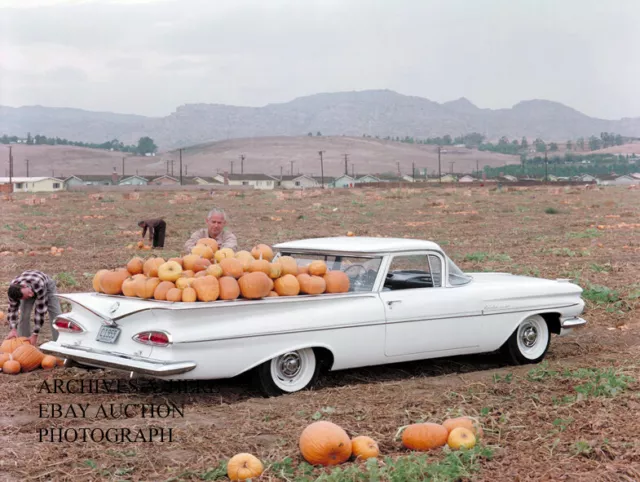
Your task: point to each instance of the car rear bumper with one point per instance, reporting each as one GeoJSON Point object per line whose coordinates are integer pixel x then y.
{"type": "Point", "coordinates": [118, 361]}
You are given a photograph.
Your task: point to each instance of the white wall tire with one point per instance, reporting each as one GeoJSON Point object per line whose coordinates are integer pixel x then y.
{"type": "Point", "coordinates": [288, 373]}
{"type": "Point", "coordinates": [529, 342]}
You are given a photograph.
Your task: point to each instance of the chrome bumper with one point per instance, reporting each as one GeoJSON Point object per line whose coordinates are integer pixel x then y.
{"type": "Point", "coordinates": [568, 324]}
{"type": "Point", "coordinates": [117, 361]}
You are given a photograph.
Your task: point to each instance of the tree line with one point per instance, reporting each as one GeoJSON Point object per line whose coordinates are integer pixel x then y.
{"type": "Point", "coordinates": [145, 145]}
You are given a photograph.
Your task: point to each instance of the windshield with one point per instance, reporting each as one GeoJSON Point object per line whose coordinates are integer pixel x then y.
{"type": "Point", "coordinates": [456, 276]}
{"type": "Point", "coordinates": [362, 272]}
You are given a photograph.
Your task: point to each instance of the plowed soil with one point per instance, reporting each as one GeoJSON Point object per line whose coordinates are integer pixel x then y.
{"type": "Point", "coordinates": [572, 417]}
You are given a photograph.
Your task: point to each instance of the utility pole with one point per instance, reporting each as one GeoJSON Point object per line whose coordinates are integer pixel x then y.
{"type": "Point", "coordinates": [186, 169]}
{"type": "Point", "coordinates": [398, 164]}
{"type": "Point", "coordinates": [10, 164]}
{"type": "Point", "coordinates": [281, 173]}
{"type": "Point", "coordinates": [123, 168]}
{"type": "Point", "coordinates": [413, 170]}
{"type": "Point", "coordinates": [546, 166]}
{"type": "Point", "coordinates": [477, 168]}
{"type": "Point", "coordinates": [242, 164]}
{"type": "Point", "coordinates": [231, 166]}
{"type": "Point", "coordinates": [27, 167]}
{"type": "Point", "coordinates": [451, 163]}
{"type": "Point", "coordinates": [181, 167]}
{"type": "Point", "coordinates": [321, 169]}
{"type": "Point", "coordinates": [292, 166]}
{"type": "Point", "coordinates": [346, 169]}
{"type": "Point", "coordinates": [353, 173]}
{"type": "Point", "coordinates": [439, 166]}
{"type": "Point", "coordinates": [167, 167]}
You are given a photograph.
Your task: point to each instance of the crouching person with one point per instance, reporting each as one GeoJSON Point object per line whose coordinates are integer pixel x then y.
{"type": "Point", "coordinates": [32, 288]}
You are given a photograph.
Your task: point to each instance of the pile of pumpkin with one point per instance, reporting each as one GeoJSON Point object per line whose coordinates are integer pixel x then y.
{"type": "Point", "coordinates": [210, 274]}
{"type": "Point", "coordinates": [18, 355]}
{"type": "Point", "coordinates": [325, 443]}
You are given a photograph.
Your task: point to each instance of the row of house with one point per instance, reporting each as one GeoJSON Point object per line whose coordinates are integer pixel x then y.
{"type": "Point", "coordinates": [267, 182]}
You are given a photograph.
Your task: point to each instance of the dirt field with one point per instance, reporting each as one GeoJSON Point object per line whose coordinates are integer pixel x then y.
{"type": "Point", "coordinates": [571, 418]}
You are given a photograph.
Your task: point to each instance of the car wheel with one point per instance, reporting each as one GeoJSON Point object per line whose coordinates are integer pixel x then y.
{"type": "Point", "coordinates": [290, 372]}
{"type": "Point", "coordinates": [529, 342]}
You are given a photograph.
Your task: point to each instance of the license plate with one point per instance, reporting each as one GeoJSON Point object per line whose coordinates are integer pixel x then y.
{"type": "Point", "coordinates": [108, 334]}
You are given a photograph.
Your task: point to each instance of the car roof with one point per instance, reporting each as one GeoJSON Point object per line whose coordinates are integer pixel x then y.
{"type": "Point", "coordinates": [358, 244]}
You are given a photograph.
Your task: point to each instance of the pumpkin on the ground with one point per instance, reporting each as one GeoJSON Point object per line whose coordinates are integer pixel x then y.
{"type": "Point", "coordinates": [11, 367]}
{"type": "Point", "coordinates": [325, 443]}
{"type": "Point", "coordinates": [424, 436]}
{"type": "Point", "coordinates": [461, 437]}
{"type": "Point", "coordinates": [4, 357]}
{"type": "Point", "coordinates": [244, 466]}
{"type": "Point", "coordinates": [337, 282]}
{"type": "Point", "coordinates": [287, 285]}
{"type": "Point", "coordinates": [254, 285]}
{"type": "Point", "coordinates": [364, 448]}
{"type": "Point", "coordinates": [48, 362]}
{"type": "Point", "coordinates": [28, 356]}
{"type": "Point", "coordinates": [465, 422]}
{"type": "Point", "coordinates": [8, 346]}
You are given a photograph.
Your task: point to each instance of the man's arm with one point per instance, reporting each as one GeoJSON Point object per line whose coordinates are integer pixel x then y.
{"type": "Point", "coordinates": [12, 313]}
{"type": "Point", "coordinates": [191, 242]}
{"type": "Point", "coordinates": [144, 230]}
{"type": "Point", "coordinates": [41, 306]}
{"type": "Point", "coordinates": [229, 240]}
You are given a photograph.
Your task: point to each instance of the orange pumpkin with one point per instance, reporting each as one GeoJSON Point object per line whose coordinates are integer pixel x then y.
{"type": "Point", "coordinates": [364, 448]}
{"type": "Point", "coordinates": [212, 243]}
{"type": "Point", "coordinates": [287, 285]}
{"type": "Point", "coordinates": [311, 285]}
{"type": "Point", "coordinates": [189, 295]}
{"type": "Point", "coordinates": [174, 294]}
{"type": "Point", "coordinates": [465, 422]}
{"type": "Point", "coordinates": [275, 270]}
{"type": "Point", "coordinates": [288, 265]}
{"type": "Point", "coordinates": [134, 266]}
{"type": "Point", "coordinates": [254, 285]}
{"type": "Point", "coordinates": [232, 267]}
{"type": "Point", "coordinates": [189, 261]}
{"type": "Point", "coordinates": [188, 273]}
{"type": "Point", "coordinates": [229, 288]}
{"type": "Point", "coordinates": [245, 259]}
{"type": "Point", "coordinates": [177, 260]}
{"type": "Point", "coordinates": [129, 285]}
{"type": "Point", "coordinates": [111, 281]}
{"type": "Point", "coordinates": [215, 270]}
{"type": "Point", "coordinates": [260, 265]}
{"type": "Point", "coordinates": [8, 346]}
{"type": "Point", "coordinates": [202, 250]}
{"type": "Point", "coordinates": [272, 294]}
{"type": "Point", "coordinates": [48, 362]}
{"type": "Point", "coordinates": [207, 288]}
{"type": "Point", "coordinates": [150, 267]}
{"type": "Point", "coordinates": [28, 356]}
{"type": "Point", "coordinates": [424, 436]}
{"type": "Point", "coordinates": [337, 282]}
{"type": "Point", "coordinates": [303, 270]}
{"type": "Point", "coordinates": [317, 268]}
{"type": "Point", "coordinates": [146, 288]}
{"type": "Point", "coordinates": [96, 280]}
{"type": "Point", "coordinates": [262, 251]}
{"type": "Point", "coordinates": [11, 367]}
{"type": "Point", "coordinates": [200, 274]}
{"type": "Point", "coordinates": [201, 265]}
{"type": "Point", "coordinates": [4, 357]}
{"type": "Point", "coordinates": [325, 443]}
{"type": "Point", "coordinates": [244, 466]}
{"type": "Point", "coordinates": [162, 289]}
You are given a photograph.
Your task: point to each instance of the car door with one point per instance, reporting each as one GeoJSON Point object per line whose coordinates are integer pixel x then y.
{"type": "Point", "coordinates": [423, 314]}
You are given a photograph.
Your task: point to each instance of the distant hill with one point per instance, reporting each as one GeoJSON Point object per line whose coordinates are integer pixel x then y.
{"type": "Point", "coordinates": [373, 112]}
{"type": "Point", "coordinates": [262, 155]}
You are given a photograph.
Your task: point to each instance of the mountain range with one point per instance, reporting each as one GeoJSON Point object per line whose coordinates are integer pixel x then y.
{"type": "Point", "coordinates": [372, 112]}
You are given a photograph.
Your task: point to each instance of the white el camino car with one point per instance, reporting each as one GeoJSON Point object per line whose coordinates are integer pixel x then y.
{"type": "Point", "coordinates": [407, 301]}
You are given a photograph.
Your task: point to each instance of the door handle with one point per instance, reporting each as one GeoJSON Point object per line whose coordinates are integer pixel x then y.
{"type": "Point", "coordinates": [391, 302]}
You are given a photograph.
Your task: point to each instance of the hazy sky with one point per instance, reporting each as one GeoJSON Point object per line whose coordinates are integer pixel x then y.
{"type": "Point", "coordinates": [148, 57]}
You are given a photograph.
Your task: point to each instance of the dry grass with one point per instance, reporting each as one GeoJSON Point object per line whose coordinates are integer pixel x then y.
{"type": "Point", "coordinates": [568, 419]}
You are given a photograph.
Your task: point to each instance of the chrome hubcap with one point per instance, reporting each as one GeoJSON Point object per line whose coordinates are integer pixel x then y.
{"type": "Point", "coordinates": [529, 336]}
{"type": "Point", "coordinates": [289, 365]}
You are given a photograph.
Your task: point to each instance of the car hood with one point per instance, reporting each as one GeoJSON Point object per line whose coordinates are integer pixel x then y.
{"type": "Point", "coordinates": [510, 283]}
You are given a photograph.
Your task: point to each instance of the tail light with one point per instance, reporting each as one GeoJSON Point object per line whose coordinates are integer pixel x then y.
{"type": "Point", "coordinates": [67, 325]}
{"type": "Point", "coordinates": [153, 338]}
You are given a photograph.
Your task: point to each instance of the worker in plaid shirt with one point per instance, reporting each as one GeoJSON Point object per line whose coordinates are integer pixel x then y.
{"type": "Point", "coordinates": [32, 288]}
